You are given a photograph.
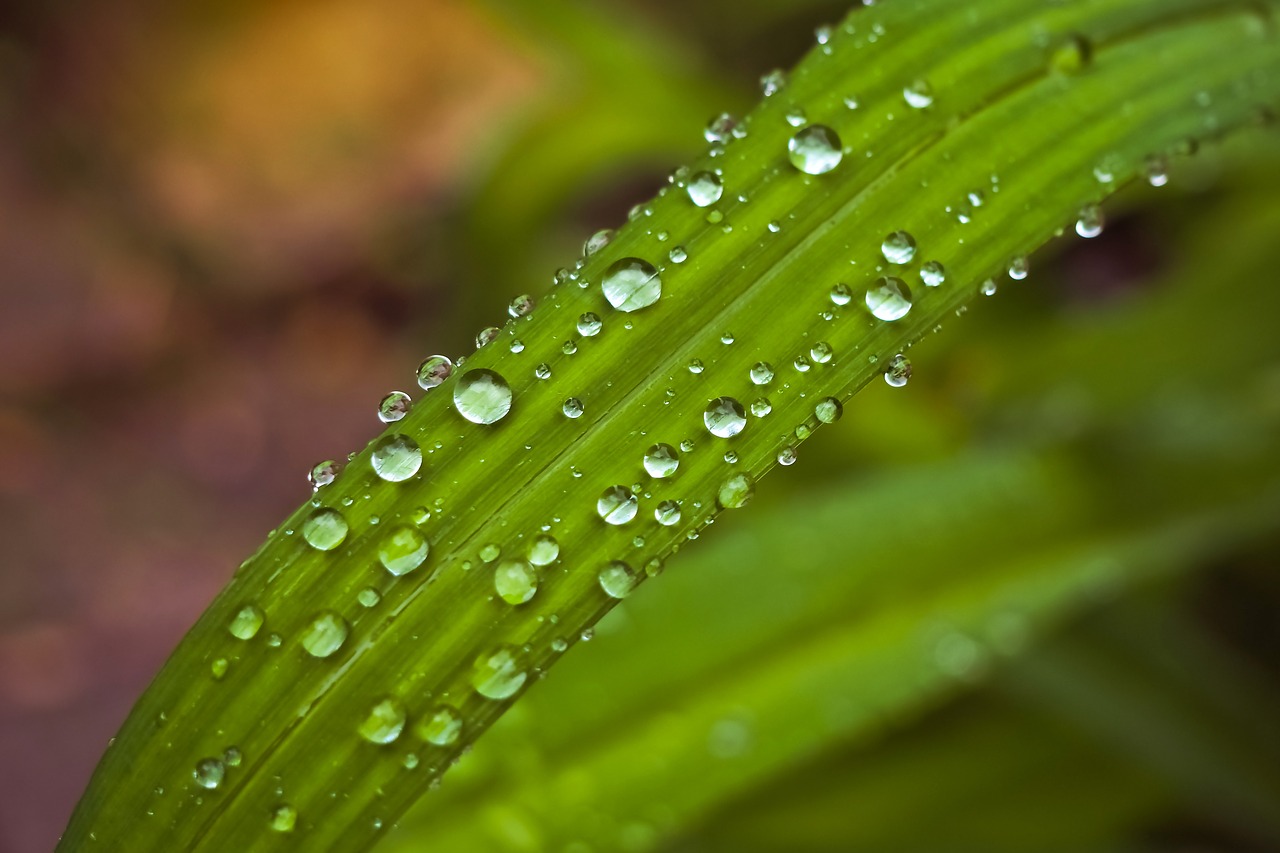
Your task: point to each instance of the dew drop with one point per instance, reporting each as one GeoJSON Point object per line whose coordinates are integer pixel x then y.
{"type": "Point", "coordinates": [705, 188]}
{"type": "Point", "coordinates": [761, 373]}
{"type": "Point", "coordinates": [678, 255]}
{"type": "Point", "coordinates": [487, 336]}
{"type": "Point", "coordinates": [667, 513]}
{"type": "Point", "coordinates": [796, 117]}
{"type": "Point", "coordinates": [815, 150]}
{"type": "Point", "coordinates": [988, 287]}
{"type": "Point", "coordinates": [724, 417]}
{"type": "Point", "coordinates": [515, 581]}
{"type": "Point", "coordinates": [396, 458]}
{"type": "Point", "coordinates": [787, 456]}
{"type": "Point", "coordinates": [597, 241]}
{"type": "Point", "coordinates": [918, 95]}
{"type": "Point", "coordinates": [898, 371]}
{"type": "Point", "coordinates": [889, 299]}
{"type": "Point", "coordinates": [589, 325]}
{"type": "Point", "coordinates": [498, 674]}
{"type": "Point", "coordinates": [631, 284]}
{"type": "Point", "coordinates": [325, 529]}
{"type": "Point", "coordinates": [434, 371]}
{"type": "Point", "coordinates": [761, 407]}
{"type": "Point", "coordinates": [618, 505]}
{"type": "Point", "coordinates": [284, 818]}
{"type": "Point", "coordinates": [1157, 171]}
{"type": "Point", "coordinates": [1090, 222]}
{"type": "Point", "coordinates": [828, 411]}
{"type": "Point", "coordinates": [402, 550]}
{"type": "Point", "coordinates": [394, 407]}
{"type": "Point", "coordinates": [209, 773]}
{"type": "Point", "coordinates": [736, 492]}
{"type": "Point", "coordinates": [933, 274]}
{"type": "Point", "coordinates": [385, 721]}
{"type": "Point", "coordinates": [573, 408]}
{"type": "Point", "coordinates": [482, 396]}
{"type": "Point", "coordinates": [441, 727]}
{"type": "Point", "coordinates": [325, 635]}
{"type": "Point", "coordinates": [720, 129]}
{"type": "Point", "coordinates": [841, 295]}
{"type": "Point", "coordinates": [322, 474]}
{"type": "Point", "coordinates": [1071, 56]}
{"type": "Point", "coordinates": [899, 247]}
{"type": "Point", "coordinates": [822, 353]}
{"type": "Point", "coordinates": [543, 550]}
{"type": "Point", "coordinates": [773, 82]}
{"type": "Point", "coordinates": [369, 597]}
{"type": "Point", "coordinates": [661, 461]}
{"type": "Point", "coordinates": [246, 623]}
{"type": "Point", "coordinates": [521, 306]}
{"type": "Point", "coordinates": [1018, 268]}
{"type": "Point", "coordinates": [617, 579]}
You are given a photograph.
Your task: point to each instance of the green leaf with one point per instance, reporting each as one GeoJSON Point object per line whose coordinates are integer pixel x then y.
{"type": "Point", "coordinates": [324, 721]}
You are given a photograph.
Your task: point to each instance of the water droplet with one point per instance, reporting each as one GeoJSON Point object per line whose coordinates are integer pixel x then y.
{"type": "Point", "coordinates": [543, 550]}
{"type": "Point", "coordinates": [988, 287]}
{"type": "Point", "coordinates": [661, 460]}
{"type": "Point", "coordinates": [696, 366]}
{"type": "Point", "coordinates": [402, 550]}
{"type": "Point", "coordinates": [1018, 268]}
{"type": "Point", "coordinates": [724, 417]}
{"type": "Point", "coordinates": [918, 95]}
{"type": "Point", "coordinates": [828, 411]}
{"type": "Point", "coordinates": [396, 458]}
{"type": "Point", "coordinates": [761, 373]}
{"type": "Point", "coordinates": [219, 668]}
{"type": "Point", "coordinates": [433, 371]}
{"type": "Point", "coordinates": [761, 407]}
{"type": "Point", "coordinates": [898, 371]}
{"type": "Point", "coordinates": [521, 306]}
{"type": "Point", "coordinates": [589, 325]}
{"type": "Point", "coordinates": [284, 818]}
{"type": "Point", "coordinates": [368, 597]}
{"type": "Point", "coordinates": [823, 33]}
{"type": "Point", "coordinates": [617, 579]}
{"type": "Point", "coordinates": [631, 284]}
{"type": "Point", "coordinates": [899, 247]}
{"type": "Point", "coordinates": [736, 492]}
{"type": "Point", "coordinates": [705, 189]}
{"type": "Point", "coordinates": [209, 773]}
{"type": "Point", "coordinates": [773, 82]}
{"type": "Point", "coordinates": [822, 353]}
{"type": "Point", "coordinates": [322, 474]}
{"type": "Point", "coordinates": [617, 505]}
{"type": "Point", "coordinates": [841, 294]}
{"type": "Point", "coordinates": [515, 581]}
{"type": "Point", "coordinates": [385, 721]}
{"type": "Point", "coordinates": [720, 129]}
{"type": "Point", "coordinates": [517, 347]}
{"type": "Point", "coordinates": [542, 371]}
{"type": "Point", "coordinates": [678, 255]}
{"type": "Point", "coordinates": [325, 635]}
{"type": "Point", "coordinates": [486, 336]}
{"type": "Point", "coordinates": [889, 299]}
{"type": "Point", "coordinates": [232, 756]}
{"type": "Point", "coordinates": [498, 674]}
{"type": "Point", "coordinates": [667, 513]}
{"type": "Point", "coordinates": [802, 364]}
{"type": "Point", "coordinates": [1090, 222]}
{"type": "Point", "coordinates": [933, 274]}
{"type": "Point", "coordinates": [573, 408]}
{"type": "Point", "coordinates": [1157, 171]}
{"type": "Point", "coordinates": [568, 348]}
{"type": "Point", "coordinates": [815, 150]}
{"type": "Point", "coordinates": [441, 727]}
{"type": "Point", "coordinates": [482, 396]}
{"type": "Point", "coordinates": [796, 117]}
{"type": "Point", "coordinates": [246, 623]}
{"type": "Point", "coordinates": [787, 456]}
{"type": "Point", "coordinates": [490, 552]}
{"type": "Point", "coordinates": [394, 407]}
{"type": "Point", "coordinates": [1071, 56]}
{"type": "Point", "coordinates": [597, 241]}
{"type": "Point", "coordinates": [325, 529]}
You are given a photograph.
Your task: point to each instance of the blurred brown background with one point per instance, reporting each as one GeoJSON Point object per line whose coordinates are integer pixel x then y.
{"type": "Point", "coordinates": [228, 228]}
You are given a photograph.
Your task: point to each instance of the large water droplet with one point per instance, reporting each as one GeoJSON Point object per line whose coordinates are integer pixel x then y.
{"type": "Point", "coordinates": [324, 529]}
{"type": "Point", "coordinates": [385, 721]}
{"type": "Point", "coordinates": [247, 622]}
{"type": "Point", "coordinates": [889, 299]}
{"type": "Point", "coordinates": [325, 635]}
{"type": "Point", "coordinates": [498, 674]}
{"type": "Point", "coordinates": [724, 417]}
{"type": "Point", "coordinates": [209, 772]}
{"type": "Point", "coordinates": [482, 396]}
{"type": "Point", "coordinates": [441, 727]}
{"type": "Point", "coordinates": [661, 461]}
{"type": "Point", "coordinates": [705, 188]}
{"type": "Point", "coordinates": [736, 492]}
{"type": "Point", "coordinates": [815, 150]}
{"type": "Point", "coordinates": [515, 581]}
{"type": "Point", "coordinates": [396, 458]}
{"type": "Point", "coordinates": [899, 247]}
{"type": "Point", "coordinates": [402, 550]}
{"type": "Point", "coordinates": [631, 284]}
{"type": "Point", "coordinates": [617, 505]}
{"type": "Point", "coordinates": [617, 579]}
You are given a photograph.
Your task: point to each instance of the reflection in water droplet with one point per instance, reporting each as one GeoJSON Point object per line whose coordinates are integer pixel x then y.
{"type": "Point", "coordinates": [402, 550]}
{"type": "Point", "coordinates": [322, 474]}
{"type": "Point", "coordinates": [631, 284]}
{"type": "Point", "coordinates": [394, 407]}
{"type": "Point", "coordinates": [889, 299]}
{"type": "Point", "coordinates": [589, 325]}
{"type": "Point", "coordinates": [773, 82]}
{"type": "Point", "coordinates": [898, 371]}
{"type": "Point", "coordinates": [434, 371]}
{"type": "Point", "coordinates": [324, 529]}
{"type": "Point", "coordinates": [385, 721]}
{"type": "Point", "coordinates": [815, 150]}
{"type": "Point", "coordinates": [573, 408]}
{"type": "Point", "coordinates": [482, 396]}
{"type": "Point", "coordinates": [325, 635]}
{"type": "Point", "coordinates": [521, 306]}
{"type": "Point", "coordinates": [596, 242]}
{"type": "Point", "coordinates": [396, 458]}
{"type": "Point", "coordinates": [498, 674]}
{"type": "Point", "coordinates": [761, 373]}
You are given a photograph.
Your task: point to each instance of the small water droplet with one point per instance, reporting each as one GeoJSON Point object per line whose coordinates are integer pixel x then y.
{"type": "Point", "coordinates": [631, 284]}
{"type": "Point", "coordinates": [815, 150]}
{"type": "Point", "coordinates": [678, 255]}
{"type": "Point", "coordinates": [498, 674]}
{"type": "Point", "coordinates": [482, 396]}
{"type": "Point", "coordinates": [521, 306]}
{"type": "Point", "coordinates": [434, 371]}
{"type": "Point", "coordinates": [617, 505]}
{"type": "Point", "coordinates": [898, 371]}
{"type": "Point", "coordinates": [736, 492]}
{"type": "Point", "coordinates": [325, 635]}
{"type": "Point", "coordinates": [661, 461]}
{"type": "Point", "coordinates": [597, 241]}
{"type": "Point", "coordinates": [394, 407]}
{"type": "Point", "coordinates": [667, 513]}
{"type": "Point", "coordinates": [828, 411]}
{"type": "Point", "coordinates": [761, 407]}
{"type": "Point", "coordinates": [899, 247]}
{"type": "Point", "coordinates": [773, 82]}
{"type": "Point", "coordinates": [490, 552]}
{"type": "Point", "coordinates": [402, 550]}
{"type": "Point", "coordinates": [487, 336]}
{"type": "Point", "coordinates": [724, 417]}
{"type": "Point", "coordinates": [761, 373]}
{"type": "Point", "coordinates": [617, 579]}
{"type": "Point", "coordinates": [369, 597]}
{"type": "Point", "coordinates": [889, 299]}
{"type": "Point", "coordinates": [442, 726]}
{"type": "Point", "coordinates": [841, 294]}
{"type": "Point", "coordinates": [1090, 222]}
{"type": "Point", "coordinates": [787, 456]}
{"type": "Point", "coordinates": [543, 550]}
{"type": "Point", "coordinates": [589, 325]}
{"type": "Point", "coordinates": [720, 129]}
{"type": "Point", "coordinates": [988, 287]}
{"type": "Point", "coordinates": [218, 669]}
{"type": "Point", "coordinates": [515, 581]}
{"type": "Point", "coordinates": [385, 721]}
{"type": "Point", "coordinates": [209, 772]}
{"type": "Point", "coordinates": [573, 408]}
{"type": "Point", "coordinates": [325, 529]}
{"type": "Point", "coordinates": [1018, 268]}
{"type": "Point", "coordinates": [822, 352]}
{"type": "Point", "coordinates": [396, 458]}
{"type": "Point", "coordinates": [918, 95]}
{"type": "Point", "coordinates": [796, 117]}
{"type": "Point", "coordinates": [696, 366]}
{"type": "Point", "coordinates": [246, 623]}
{"type": "Point", "coordinates": [284, 818]}
{"type": "Point", "coordinates": [322, 474]}
{"type": "Point", "coordinates": [542, 371]}
{"type": "Point", "coordinates": [1157, 171]}
{"type": "Point", "coordinates": [705, 188]}
{"type": "Point", "coordinates": [933, 274]}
